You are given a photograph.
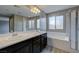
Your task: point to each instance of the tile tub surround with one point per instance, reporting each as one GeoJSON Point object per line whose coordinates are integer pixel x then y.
{"type": "Point", "coordinates": [10, 39]}
{"type": "Point", "coordinates": [60, 41]}
{"type": "Point", "coordinates": [58, 35]}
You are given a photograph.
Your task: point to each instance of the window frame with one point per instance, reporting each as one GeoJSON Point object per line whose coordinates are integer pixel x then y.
{"type": "Point", "coordinates": [31, 24]}
{"type": "Point", "coordinates": [64, 24]}
{"type": "Point", "coordinates": [48, 24]}
{"type": "Point", "coordinates": [39, 24]}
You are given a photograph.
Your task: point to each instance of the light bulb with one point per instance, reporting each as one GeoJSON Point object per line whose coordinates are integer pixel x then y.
{"type": "Point", "coordinates": [35, 10]}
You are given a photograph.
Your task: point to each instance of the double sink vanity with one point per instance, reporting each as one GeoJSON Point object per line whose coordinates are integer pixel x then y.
{"type": "Point", "coordinates": [23, 42]}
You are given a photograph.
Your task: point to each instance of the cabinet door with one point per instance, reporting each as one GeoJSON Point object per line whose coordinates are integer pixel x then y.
{"type": "Point", "coordinates": [36, 44]}
{"type": "Point", "coordinates": [25, 49]}
{"type": "Point", "coordinates": [43, 41]}
{"type": "Point", "coordinates": [36, 48]}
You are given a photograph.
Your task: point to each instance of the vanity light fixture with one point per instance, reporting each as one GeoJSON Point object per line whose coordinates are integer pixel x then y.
{"type": "Point", "coordinates": [34, 9]}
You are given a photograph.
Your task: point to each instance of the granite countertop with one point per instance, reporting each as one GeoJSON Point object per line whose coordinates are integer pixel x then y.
{"type": "Point", "coordinates": [13, 38]}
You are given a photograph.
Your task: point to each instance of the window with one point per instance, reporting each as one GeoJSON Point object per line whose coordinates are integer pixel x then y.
{"type": "Point", "coordinates": [43, 24]}
{"type": "Point", "coordinates": [52, 22]}
{"type": "Point", "coordinates": [59, 22]}
{"type": "Point", "coordinates": [56, 22]}
{"type": "Point", "coordinates": [31, 24]}
{"type": "Point", "coordinates": [38, 23]}
{"type": "Point", "coordinates": [4, 25]}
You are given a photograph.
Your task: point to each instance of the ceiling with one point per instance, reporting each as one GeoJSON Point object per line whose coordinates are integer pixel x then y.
{"type": "Point", "coordinates": [9, 10]}
{"type": "Point", "coordinates": [23, 10]}
{"type": "Point", "coordinates": [53, 8]}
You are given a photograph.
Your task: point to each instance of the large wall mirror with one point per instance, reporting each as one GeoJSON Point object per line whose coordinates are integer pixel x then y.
{"type": "Point", "coordinates": [42, 21]}
{"type": "Point", "coordinates": [16, 23]}
{"type": "Point", "coordinates": [4, 25]}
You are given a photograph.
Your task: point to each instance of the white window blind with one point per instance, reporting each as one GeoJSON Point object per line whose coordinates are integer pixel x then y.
{"type": "Point", "coordinates": [52, 22]}
{"type": "Point", "coordinates": [43, 23]}
{"type": "Point", "coordinates": [38, 23]}
{"type": "Point", "coordinates": [56, 22]}
{"type": "Point", "coordinates": [31, 24]}
{"type": "Point", "coordinates": [59, 22]}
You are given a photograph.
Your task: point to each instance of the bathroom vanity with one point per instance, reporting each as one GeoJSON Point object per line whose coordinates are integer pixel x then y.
{"type": "Point", "coordinates": [24, 43]}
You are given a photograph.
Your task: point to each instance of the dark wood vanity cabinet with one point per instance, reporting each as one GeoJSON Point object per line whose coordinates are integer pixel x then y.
{"type": "Point", "coordinates": [36, 44]}
{"type": "Point", "coordinates": [32, 45]}
{"type": "Point", "coordinates": [43, 40]}
{"type": "Point", "coordinates": [26, 48]}
{"type": "Point", "coordinates": [20, 47]}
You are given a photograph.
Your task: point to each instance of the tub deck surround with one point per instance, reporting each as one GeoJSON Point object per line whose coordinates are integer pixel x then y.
{"type": "Point", "coordinates": [16, 37]}
{"type": "Point", "coordinates": [59, 36]}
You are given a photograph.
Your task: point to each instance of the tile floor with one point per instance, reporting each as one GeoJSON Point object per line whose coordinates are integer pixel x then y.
{"type": "Point", "coordinates": [47, 50]}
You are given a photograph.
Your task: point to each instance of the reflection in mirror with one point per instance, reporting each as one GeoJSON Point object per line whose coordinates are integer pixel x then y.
{"type": "Point", "coordinates": [4, 25]}
{"type": "Point", "coordinates": [42, 21]}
